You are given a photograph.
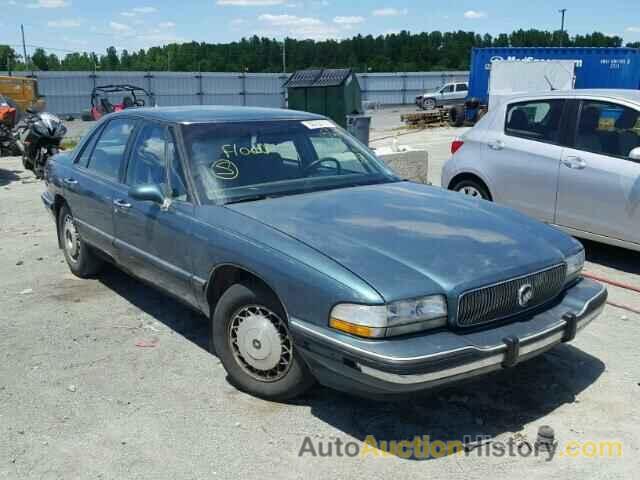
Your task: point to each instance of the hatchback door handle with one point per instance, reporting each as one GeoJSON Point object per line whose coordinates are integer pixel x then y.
{"type": "Point", "coordinates": [496, 145]}
{"type": "Point", "coordinates": [121, 204]}
{"type": "Point", "coordinates": [70, 181]}
{"type": "Point", "coordinates": [574, 162]}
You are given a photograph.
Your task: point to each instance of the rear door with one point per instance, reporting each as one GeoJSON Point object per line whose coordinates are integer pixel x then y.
{"type": "Point", "coordinates": [599, 185]}
{"type": "Point", "coordinates": [152, 241]}
{"type": "Point", "coordinates": [90, 187]}
{"type": "Point", "coordinates": [523, 155]}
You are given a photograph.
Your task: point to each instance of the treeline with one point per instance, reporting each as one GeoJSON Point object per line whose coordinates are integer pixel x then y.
{"type": "Point", "coordinates": [403, 51]}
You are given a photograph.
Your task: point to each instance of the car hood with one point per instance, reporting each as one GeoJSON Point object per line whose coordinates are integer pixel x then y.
{"type": "Point", "coordinates": [408, 239]}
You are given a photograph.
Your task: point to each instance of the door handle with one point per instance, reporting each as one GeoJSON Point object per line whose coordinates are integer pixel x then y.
{"type": "Point", "coordinates": [121, 204]}
{"type": "Point", "coordinates": [496, 145]}
{"type": "Point", "coordinates": [70, 181]}
{"type": "Point", "coordinates": [574, 162]}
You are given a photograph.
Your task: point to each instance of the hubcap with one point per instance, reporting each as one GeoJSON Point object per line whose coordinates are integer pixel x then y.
{"type": "Point", "coordinates": [261, 343]}
{"type": "Point", "coordinates": [471, 191]}
{"type": "Point", "coordinates": [71, 239]}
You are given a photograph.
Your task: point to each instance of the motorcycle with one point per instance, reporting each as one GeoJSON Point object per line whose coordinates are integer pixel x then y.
{"type": "Point", "coordinates": [8, 114]}
{"type": "Point", "coordinates": [38, 137]}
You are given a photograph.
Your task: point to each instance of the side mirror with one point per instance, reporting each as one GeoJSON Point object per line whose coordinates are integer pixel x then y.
{"type": "Point", "coordinates": [147, 193]}
{"type": "Point", "coordinates": [635, 154]}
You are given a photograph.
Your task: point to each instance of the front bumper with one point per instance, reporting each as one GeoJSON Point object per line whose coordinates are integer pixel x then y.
{"type": "Point", "coordinates": [48, 203]}
{"type": "Point", "coordinates": [413, 363]}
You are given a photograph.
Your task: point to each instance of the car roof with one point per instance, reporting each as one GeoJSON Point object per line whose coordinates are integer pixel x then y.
{"type": "Point", "coordinates": [613, 94]}
{"type": "Point", "coordinates": [216, 114]}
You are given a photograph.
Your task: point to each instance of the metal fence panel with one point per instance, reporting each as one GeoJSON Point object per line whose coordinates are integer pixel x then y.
{"type": "Point", "coordinates": [70, 92]}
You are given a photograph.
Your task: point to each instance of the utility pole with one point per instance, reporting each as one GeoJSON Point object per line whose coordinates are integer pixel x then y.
{"type": "Point", "coordinates": [562, 12]}
{"type": "Point", "coordinates": [284, 55]}
{"type": "Point", "coordinates": [24, 49]}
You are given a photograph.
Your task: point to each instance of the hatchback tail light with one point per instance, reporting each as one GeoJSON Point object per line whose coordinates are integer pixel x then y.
{"type": "Point", "coordinates": [455, 146]}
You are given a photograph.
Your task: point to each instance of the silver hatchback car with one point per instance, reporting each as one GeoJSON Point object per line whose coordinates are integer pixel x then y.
{"type": "Point", "coordinates": [570, 159]}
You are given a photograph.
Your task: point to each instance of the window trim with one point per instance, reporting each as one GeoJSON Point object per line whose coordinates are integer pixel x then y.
{"type": "Point", "coordinates": [125, 154]}
{"type": "Point", "coordinates": [170, 133]}
{"type": "Point", "coordinates": [581, 102]}
{"type": "Point", "coordinates": [509, 133]}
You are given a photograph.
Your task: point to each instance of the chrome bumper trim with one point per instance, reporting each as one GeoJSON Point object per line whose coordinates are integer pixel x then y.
{"type": "Point", "coordinates": [536, 346]}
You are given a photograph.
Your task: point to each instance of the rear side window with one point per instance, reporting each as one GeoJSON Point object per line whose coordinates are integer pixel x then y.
{"type": "Point", "coordinates": [108, 154]}
{"type": "Point", "coordinates": [462, 87]}
{"type": "Point", "coordinates": [535, 120]}
{"type": "Point", "coordinates": [607, 129]}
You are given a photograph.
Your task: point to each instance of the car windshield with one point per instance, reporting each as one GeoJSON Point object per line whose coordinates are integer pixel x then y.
{"type": "Point", "coordinates": [235, 162]}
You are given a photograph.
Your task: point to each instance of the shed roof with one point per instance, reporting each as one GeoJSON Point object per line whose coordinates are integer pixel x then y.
{"type": "Point", "coordinates": [329, 77]}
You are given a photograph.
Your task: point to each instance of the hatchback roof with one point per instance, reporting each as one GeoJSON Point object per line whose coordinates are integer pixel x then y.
{"type": "Point", "coordinates": [613, 94]}
{"type": "Point", "coordinates": [217, 114]}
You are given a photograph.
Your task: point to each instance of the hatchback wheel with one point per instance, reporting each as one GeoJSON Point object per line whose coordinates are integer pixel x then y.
{"type": "Point", "coordinates": [251, 337]}
{"type": "Point", "coordinates": [81, 259]}
{"type": "Point", "coordinates": [472, 188]}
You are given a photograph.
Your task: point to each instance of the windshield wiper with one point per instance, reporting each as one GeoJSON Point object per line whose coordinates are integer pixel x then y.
{"type": "Point", "coordinates": [248, 198]}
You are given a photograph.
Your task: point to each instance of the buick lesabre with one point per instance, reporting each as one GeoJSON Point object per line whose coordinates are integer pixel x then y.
{"type": "Point", "coordinates": [310, 258]}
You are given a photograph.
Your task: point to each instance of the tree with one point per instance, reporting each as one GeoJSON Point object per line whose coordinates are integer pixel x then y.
{"type": "Point", "coordinates": [40, 59]}
{"type": "Point", "coordinates": [8, 58]}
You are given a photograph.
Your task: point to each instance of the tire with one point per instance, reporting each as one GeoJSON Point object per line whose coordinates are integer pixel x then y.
{"type": "Point", "coordinates": [456, 116]}
{"type": "Point", "coordinates": [81, 259]}
{"type": "Point", "coordinates": [258, 306]}
{"type": "Point", "coordinates": [472, 188]}
{"type": "Point", "coordinates": [429, 104]}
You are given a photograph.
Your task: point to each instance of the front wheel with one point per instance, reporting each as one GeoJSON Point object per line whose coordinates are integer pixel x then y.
{"type": "Point", "coordinates": [250, 336]}
{"type": "Point", "coordinates": [472, 188]}
{"type": "Point", "coordinates": [429, 104]}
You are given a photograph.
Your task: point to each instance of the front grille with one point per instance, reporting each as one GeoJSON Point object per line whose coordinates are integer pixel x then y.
{"type": "Point", "coordinates": [495, 302]}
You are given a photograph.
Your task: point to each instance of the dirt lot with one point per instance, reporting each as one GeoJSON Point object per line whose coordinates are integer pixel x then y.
{"type": "Point", "coordinates": [109, 379]}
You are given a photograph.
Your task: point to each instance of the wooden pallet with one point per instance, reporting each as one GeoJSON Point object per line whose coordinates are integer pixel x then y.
{"type": "Point", "coordinates": [429, 118]}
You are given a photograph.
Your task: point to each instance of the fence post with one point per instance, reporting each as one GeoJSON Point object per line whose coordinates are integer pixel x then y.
{"type": "Point", "coordinates": [200, 93]}
{"type": "Point", "coordinates": [148, 76]}
{"type": "Point", "coordinates": [243, 93]}
{"type": "Point", "coordinates": [404, 88]}
{"type": "Point", "coordinates": [283, 91]}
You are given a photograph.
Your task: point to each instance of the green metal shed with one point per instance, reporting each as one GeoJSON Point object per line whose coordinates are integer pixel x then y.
{"type": "Point", "coordinates": [333, 92]}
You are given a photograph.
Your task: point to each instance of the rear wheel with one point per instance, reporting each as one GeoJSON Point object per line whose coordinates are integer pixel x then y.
{"type": "Point", "coordinates": [251, 337]}
{"type": "Point", "coordinates": [81, 260]}
{"type": "Point", "coordinates": [472, 188]}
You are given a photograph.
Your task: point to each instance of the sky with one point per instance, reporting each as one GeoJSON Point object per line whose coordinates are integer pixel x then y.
{"type": "Point", "coordinates": [93, 25]}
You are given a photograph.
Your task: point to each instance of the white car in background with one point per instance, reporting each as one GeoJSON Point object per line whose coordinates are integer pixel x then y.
{"type": "Point", "coordinates": [449, 94]}
{"type": "Point", "coordinates": [570, 159]}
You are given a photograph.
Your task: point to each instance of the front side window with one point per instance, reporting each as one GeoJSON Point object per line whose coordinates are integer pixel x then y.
{"type": "Point", "coordinates": [535, 120]}
{"type": "Point", "coordinates": [608, 129]}
{"type": "Point", "coordinates": [108, 153]}
{"type": "Point", "coordinates": [235, 161]}
{"type": "Point", "coordinates": [447, 89]}
{"type": "Point", "coordinates": [147, 163]}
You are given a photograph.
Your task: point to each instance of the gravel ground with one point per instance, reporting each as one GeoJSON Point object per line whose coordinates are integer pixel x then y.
{"type": "Point", "coordinates": [108, 378]}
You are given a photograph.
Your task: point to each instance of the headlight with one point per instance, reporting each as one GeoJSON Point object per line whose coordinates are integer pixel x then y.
{"type": "Point", "coordinates": [574, 265]}
{"type": "Point", "coordinates": [397, 318]}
